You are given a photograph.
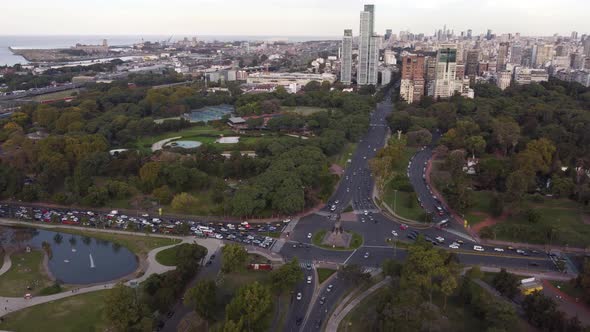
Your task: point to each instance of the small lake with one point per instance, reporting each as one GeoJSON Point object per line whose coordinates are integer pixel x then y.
{"type": "Point", "coordinates": [75, 259]}
{"type": "Point", "coordinates": [184, 144]}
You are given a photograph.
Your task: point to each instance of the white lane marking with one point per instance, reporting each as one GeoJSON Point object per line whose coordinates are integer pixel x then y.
{"type": "Point", "coordinates": [350, 256]}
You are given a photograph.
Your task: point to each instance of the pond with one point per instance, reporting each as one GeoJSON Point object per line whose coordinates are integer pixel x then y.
{"type": "Point", "coordinates": [184, 144]}
{"type": "Point", "coordinates": [75, 259]}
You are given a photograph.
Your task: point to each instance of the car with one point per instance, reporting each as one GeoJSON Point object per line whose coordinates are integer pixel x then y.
{"type": "Point", "coordinates": [478, 248]}
{"type": "Point", "coordinates": [534, 264]}
{"type": "Point", "coordinates": [170, 314]}
{"type": "Point", "coordinates": [366, 255]}
{"type": "Point", "coordinates": [299, 321]}
{"type": "Point", "coordinates": [308, 266]}
{"type": "Point", "coordinates": [411, 236]}
{"type": "Point", "coordinates": [309, 235]}
{"type": "Point", "coordinates": [309, 279]}
{"type": "Point", "coordinates": [336, 201]}
{"type": "Point", "coordinates": [329, 289]}
{"type": "Point", "coordinates": [363, 220]}
{"type": "Point", "coordinates": [440, 239]}
{"type": "Point", "coordinates": [366, 212]}
{"type": "Point", "coordinates": [453, 246]}
{"type": "Point", "coordinates": [499, 249]}
{"type": "Point", "coordinates": [208, 263]}
{"type": "Point", "coordinates": [403, 227]}
{"type": "Point", "coordinates": [322, 300]}
{"type": "Point", "coordinates": [318, 324]}
{"type": "Point", "coordinates": [520, 251]}
{"type": "Point", "coordinates": [333, 208]}
{"type": "Point", "coordinates": [299, 296]}
{"type": "Point", "coordinates": [394, 233]}
{"type": "Point", "coordinates": [460, 241]}
{"type": "Point", "coordinates": [286, 221]}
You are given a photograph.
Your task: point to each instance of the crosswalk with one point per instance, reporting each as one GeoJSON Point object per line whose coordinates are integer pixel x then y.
{"type": "Point", "coordinates": [278, 245]}
{"type": "Point", "coordinates": [303, 264]}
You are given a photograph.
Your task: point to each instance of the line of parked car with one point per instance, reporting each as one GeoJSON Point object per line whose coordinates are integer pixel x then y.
{"type": "Point", "coordinates": [252, 234]}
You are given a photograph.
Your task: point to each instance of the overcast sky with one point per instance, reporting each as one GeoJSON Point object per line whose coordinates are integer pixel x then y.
{"type": "Point", "coordinates": [288, 17]}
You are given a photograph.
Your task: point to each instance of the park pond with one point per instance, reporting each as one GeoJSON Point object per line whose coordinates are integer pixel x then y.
{"type": "Point", "coordinates": [74, 259]}
{"type": "Point", "coordinates": [184, 144]}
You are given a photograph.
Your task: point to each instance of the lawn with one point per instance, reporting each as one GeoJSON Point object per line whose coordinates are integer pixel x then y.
{"type": "Point", "coordinates": [209, 132]}
{"type": "Point", "coordinates": [324, 274]}
{"type": "Point", "coordinates": [168, 257]}
{"type": "Point", "coordinates": [481, 207]}
{"type": "Point", "coordinates": [77, 313]}
{"type": "Point", "coordinates": [138, 244]}
{"type": "Point", "coordinates": [361, 317]}
{"type": "Point", "coordinates": [26, 271]}
{"type": "Point", "coordinates": [400, 204]}
{"type": "Point", "coordinates": [568, 288]}
{"type": "Point", "coordinates": [302, 110]}
{"type": "Point", "coordinates": [56, 95]}
{"type": "Point", "coordinates": [558, 226]}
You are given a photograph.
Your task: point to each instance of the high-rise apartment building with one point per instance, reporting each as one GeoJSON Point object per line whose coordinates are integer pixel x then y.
{"type": "Point", "coordinates": [346, 61]}
{"type": "Point", "coordinates": [412, 80]}
{"type": "Point", "coordinates": [543, 55]}
{"type": "Point", "coordinates": [446, 71]}
{"type": "Point", "coordinates": [472, 63]}
{"type": "Point", "coordinates": [516, 54]}
{"type": "Point", "coordinates": [502, 56]}
{"type": "Point", "coordinates": [574, 35]}
{"type": "Point", "coordinates": [389, 57]}
{"type": "Point", "coordinates": [387, 34]}
{"type": "Point", "coordinates": [469, 33]}
{"type": "Point", "coordinates": [368, 48]}
{"type": "Point", "coordinates": [587, 46]}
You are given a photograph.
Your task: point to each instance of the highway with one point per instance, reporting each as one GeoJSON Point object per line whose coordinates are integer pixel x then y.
{"type": "Point", "coordinates": [298, 308]}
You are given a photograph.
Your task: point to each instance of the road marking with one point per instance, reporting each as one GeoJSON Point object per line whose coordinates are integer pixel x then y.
{"type": "Point", "coordinates": [349, 256]}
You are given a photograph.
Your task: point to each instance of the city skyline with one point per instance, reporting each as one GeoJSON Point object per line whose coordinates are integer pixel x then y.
{"type": "Point", "coordinates": [305, 18]}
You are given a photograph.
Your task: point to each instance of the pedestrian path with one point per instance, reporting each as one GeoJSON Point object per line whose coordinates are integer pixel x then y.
{"type": "Point", "coordinates": [278, 245]}
{"type": "Point", "coordinates": [342, 310]}
{"type": "Point", "coordinates": [303, 264]}
{"type": "Point", "coordinates": [323, 213]}
{"type": "Point", "coordinates": [6, 265]}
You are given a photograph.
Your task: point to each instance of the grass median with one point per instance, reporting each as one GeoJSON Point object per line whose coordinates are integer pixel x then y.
{"type": "Point", "coordinates": [355, 242]}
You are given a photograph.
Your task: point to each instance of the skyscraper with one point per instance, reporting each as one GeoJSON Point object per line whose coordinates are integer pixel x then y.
{"type": "Point", "coordinates": [387, 34]}
{"type": "Point", "coordinates": [368, 48]}
{"type": "Point", "coordinates": [502, 56]}
{"type": "Point", "coordinates": [469, 33]}
{"type": "Point", "coordinates": [446, 71]}
{"type": "Point", "coordinates": [346, 61]}
{"type": "Point", "coordinates": [516, 54]}
{"type": "Point", "coordinates": [587, 46]}
{"type": "Point", "coordinates": [472, 64]}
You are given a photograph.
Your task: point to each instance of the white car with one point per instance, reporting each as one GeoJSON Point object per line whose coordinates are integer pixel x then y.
{"type": "Point", "coordinates": [309, 279]}
{"type": "Point", "coordinates": [366, 255]}
{"type": "Point", "coordinates": [478, 248]}
{"type": "Point", "coordinates": [286, 221]}
{"type": "Point", "coordinates": [365, 212]}
{"type": "Point", "coordinates": [394, 233]}
{"type": "Point", "coordinates": [499, 249]}
{"type": "Point", "coordinates": [440, 239]}
{"type": "Point", "coordinates": [453, 246]}
{"type": "Point", "coordinates": [299, 296]}
{"type": "Point", "coordinates": [329, 289]}
{"type": "Point", "coordinates": [309, 235]}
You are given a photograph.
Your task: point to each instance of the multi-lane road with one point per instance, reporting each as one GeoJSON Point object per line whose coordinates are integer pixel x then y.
{"type": "Point", "coordinates": [355, 188]}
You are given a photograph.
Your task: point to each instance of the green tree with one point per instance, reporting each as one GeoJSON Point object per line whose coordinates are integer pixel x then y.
{"type": "Point", "coordinates": [253, 304]}
{"type": "Point", "coordinates": [184, 202]}
{"type": "Point", "coordinates": [506, 283]}
{"type": "Point", "coordinates": [122, 308]}
{"type": "Point", "coordinates": [201, 298]}
{"type": "Point", "coordinates": [287, 276]}
{"type": "Point", "coordinates": [234, 258]}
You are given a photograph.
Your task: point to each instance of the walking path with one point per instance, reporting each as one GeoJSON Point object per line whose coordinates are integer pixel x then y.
{"type": "Point", "coordinates": [341, 312]}
{"type": "Point", "coordinates": [12, 304]}
{"type": "Point", "coordinates": [160, 144]}
{"type": "Point", "coordinates": [6, 265]}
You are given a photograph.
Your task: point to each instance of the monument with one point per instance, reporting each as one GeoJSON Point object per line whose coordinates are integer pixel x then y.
{"type": "Point", "coordinates": [338, 237]}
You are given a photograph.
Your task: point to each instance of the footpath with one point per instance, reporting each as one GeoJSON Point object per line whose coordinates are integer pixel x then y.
{"type": "Point", "coordinates": [12, 304]}
{"type": "Point", "coordinates": [345, 306]}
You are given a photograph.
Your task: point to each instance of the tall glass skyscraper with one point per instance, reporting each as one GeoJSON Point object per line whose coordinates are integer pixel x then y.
{"type": "Point", "coordinates": [346, 60]}
{"type": "Point", "coordinates": [368, 48]}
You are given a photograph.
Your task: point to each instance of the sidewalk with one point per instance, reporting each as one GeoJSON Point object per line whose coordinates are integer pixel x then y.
{"type": "Point", "coordinates": [569, 305]}
{"type": "Point", "coordinates": [340, 313]}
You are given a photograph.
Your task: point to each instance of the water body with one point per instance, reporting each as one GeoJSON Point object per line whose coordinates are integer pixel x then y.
{"type": "Point", "coordinates": [75, 259]}
{"type": "Point", "coordinates": [184, 144]}
{"type": "Point", "coordinates": [40, 42]}
{"type": "Point", "coordinates": [209, 113]}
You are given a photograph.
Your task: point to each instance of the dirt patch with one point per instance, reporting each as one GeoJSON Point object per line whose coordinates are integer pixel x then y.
{"type": "Point", "coordinates": [336, 169]}
{"type": "Point", "coordinates": [489, 221]}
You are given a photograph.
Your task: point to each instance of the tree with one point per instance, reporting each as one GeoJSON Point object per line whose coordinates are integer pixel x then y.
{"type": "Point", "coordinates": [234, 257]}
{"type": "Point", "coordinates": [354, 274]}
{"type": "Point", "coordinates": [287, 276]}
{"type": "Point", "coordinates": [163, 194]}
{"type": "Point", "coordinates": [122, 308]}
{"type": "Point", "coordinates": [419, 137]}
{"type": "Point", "coordinates": [253, 304]}
{"type": "Point", "coordinates": [475, 144]}
{"type": "Point", "coordinates": [201, 298]}
{"type": "Point", "coordinates": [506, 283]}
{"type": "Point", "coordinates": [184, 202]}
{"type": "Point", "coordinates": [149, 174]}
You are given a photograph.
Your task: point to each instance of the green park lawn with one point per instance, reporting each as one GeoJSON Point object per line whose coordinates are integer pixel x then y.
{"type": "Point", "coordinates": [168, 256]}
{"type": "Point", "coordinates": [342, 158]}
{"type": "Point", "coordinates": [400, 202]}
{"type": "Point", "coordinates": [26, 271]}
{"type": "Point", "coordinates": [324, 274]}
{"type": "Point", "coordinates": [302, 110]}
{"type": "Point", "coordinates": [558, 225]}
{"type": "Point", "coordinates": [82, 312]}
{"type": "Point", "coordinates": [205, 132]}
{"type": "Point", "coordinates": [358, 320]}
{"type": "Point", "coordinates": [481, 207]}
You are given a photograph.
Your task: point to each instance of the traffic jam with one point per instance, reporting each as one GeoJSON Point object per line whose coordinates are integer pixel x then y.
{"type": "Point", "coordinates": [251, 234]}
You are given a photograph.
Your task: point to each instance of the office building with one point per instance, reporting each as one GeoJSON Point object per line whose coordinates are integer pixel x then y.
{"type": "Point", "coordinates": [502, 56]}
{"type": "Point", "coordinates": [544, 54]}
{"type": "Point", "coordinates": [446, 71]}
{"type": "Point", "coordinates": [346, 60]}
{"type": "Point", "coordinates": [412, 79]}
{"type": "Point", "coordinates": [385, 76]}
{"type": "Point", "coordinates": [387, 34]}
{"type": "Point", "coordinates": [503, 79]}
{"type": "Point", "coordinates": [574, 35]}
{"type": "Point", "coordinates": [368, 50]}
{"type": "Point", "coordinates": [489, 34]}
{"type": "Point", "coordinates": [528, 75]}
{"type": "Point", "coordinates": [587, 46]}
{"type": "Point", "coordinates": [469, 33]}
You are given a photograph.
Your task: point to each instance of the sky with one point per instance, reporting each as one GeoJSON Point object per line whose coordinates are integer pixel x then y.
{"type": "Point", "coordinates": [288, 17]}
